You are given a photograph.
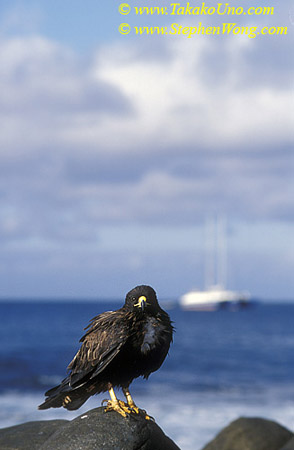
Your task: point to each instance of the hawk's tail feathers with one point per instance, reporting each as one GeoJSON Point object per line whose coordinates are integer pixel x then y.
{"type": "Point", "coordinates": [70, 400]}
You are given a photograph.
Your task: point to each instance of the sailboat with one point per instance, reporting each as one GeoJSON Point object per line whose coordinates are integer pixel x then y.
{"type": "Point", "coordinates": [215, 296]}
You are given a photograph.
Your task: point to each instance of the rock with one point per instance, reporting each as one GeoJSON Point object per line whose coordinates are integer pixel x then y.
{"type": "Point", "coordinates": [28, 436]}
{"type": "Point", "coordinates": [93, 430]}
{"type": "Point", "coordinates": [251, 434]}
{"type": "Point", "coordinates": [289, 445]}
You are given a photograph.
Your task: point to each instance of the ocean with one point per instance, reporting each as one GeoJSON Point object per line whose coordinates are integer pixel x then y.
{"type": "Point", "coordinates": [222, 365]}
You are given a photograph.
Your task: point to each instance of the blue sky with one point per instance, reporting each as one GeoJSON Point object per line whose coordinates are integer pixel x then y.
{"type": "Point", "coordinates": [114, 151]}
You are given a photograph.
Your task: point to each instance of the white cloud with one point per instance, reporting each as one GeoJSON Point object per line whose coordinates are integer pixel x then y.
{"type": "Point", "coordinates": [120, 138]}
{"type": "Point", "coordinates": [177, 106]}
{"type": "Point", "coordinates": [44, 94]}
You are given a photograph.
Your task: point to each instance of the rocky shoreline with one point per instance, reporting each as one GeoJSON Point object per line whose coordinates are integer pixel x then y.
{"type": "Point", "coordinates": [95, 430]}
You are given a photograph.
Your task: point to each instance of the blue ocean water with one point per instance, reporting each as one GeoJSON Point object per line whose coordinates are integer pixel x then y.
{"type": "Point", "coordinates": [222, 365]}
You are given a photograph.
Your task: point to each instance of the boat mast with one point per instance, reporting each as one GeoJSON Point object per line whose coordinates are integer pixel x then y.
{"type": "Point", "coordinates": [209, 253]}
{"type": "Point", "coordinates": [221, 251]}
{"type": "Point", "coordinates": [215, 252]}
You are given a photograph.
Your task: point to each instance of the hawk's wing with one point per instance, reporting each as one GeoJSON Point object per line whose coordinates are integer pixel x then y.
{"type": "Point", "coordinates": [107, 333]}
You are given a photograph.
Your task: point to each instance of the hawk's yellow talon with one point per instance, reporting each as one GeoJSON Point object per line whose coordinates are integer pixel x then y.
{"type": "Point", "coordinates": [124, 409]}
{"type": "Point", "coordinates": [130, 401]}
{"type": "Point", "coordinates": [149, 417]}
{"type": "Point", "coordinates": [115, 406]}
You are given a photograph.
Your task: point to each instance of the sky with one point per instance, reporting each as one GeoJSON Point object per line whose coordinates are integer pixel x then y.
{"type": "Point", "coordinates": [115, 150]}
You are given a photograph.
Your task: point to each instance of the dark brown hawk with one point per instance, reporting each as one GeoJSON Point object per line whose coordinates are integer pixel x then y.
{"type": "Point", "coordinates": [117, 347]}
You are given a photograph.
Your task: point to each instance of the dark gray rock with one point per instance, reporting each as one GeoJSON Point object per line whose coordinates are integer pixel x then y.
{"type": "Point", "coordinates": [97, 430]}
{"type": "Point", "coordinates": [251, 434]}
{"type": "Point", "coordinates": [289, 445]}
{"type": "Point", "coordinates": [93, 430]}
{"type": "Point", "coordinates": [28, 436]}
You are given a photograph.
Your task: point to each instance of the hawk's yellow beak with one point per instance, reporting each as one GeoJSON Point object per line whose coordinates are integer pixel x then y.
{"type": "Point", "coordinates": [142, 302]}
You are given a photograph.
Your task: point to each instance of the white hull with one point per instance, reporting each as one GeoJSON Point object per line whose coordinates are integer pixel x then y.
{"type": "Point", "coordinates": [213, 299]}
